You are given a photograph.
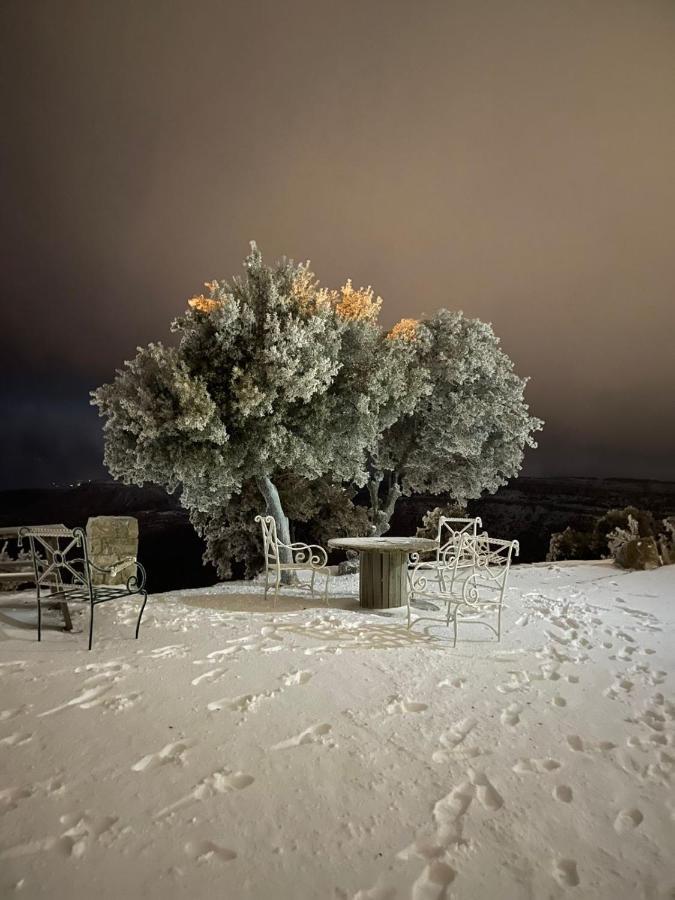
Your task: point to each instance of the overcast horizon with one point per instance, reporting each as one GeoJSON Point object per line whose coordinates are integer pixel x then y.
{"type": "Point", "coordinates": [515, 161]}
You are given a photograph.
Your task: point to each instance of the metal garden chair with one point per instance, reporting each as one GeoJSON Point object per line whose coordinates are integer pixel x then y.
{"type": "Point", "coordinates": [484, 586]}
{"type": "Point", "coordinates": [299, 557]}
{"type": "Point", "coordinates": [484, 564]}
{"type": "Point", "coordinates": [422, 573]}
{"type": "Point", "coordinates": [64, 572]}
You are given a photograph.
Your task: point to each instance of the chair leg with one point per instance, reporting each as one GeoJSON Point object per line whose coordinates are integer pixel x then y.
{"type": "Point", "coordinates": [325, 590]}
{"type": "Point", "coordinates": [140, 615]}
{"type": "Point", "coordinates": [91, 626]}
{"type": "Point", "coordinates": [454, 642]}
{"type": "Point", "coordinates": [276, 586]}
{"type": "Point", "coordinates": [408, 604]}
{"type": "Point", "coordinates": [311, 583]}
{"type": "Point", "coordinates": [267, 581]}
{"type": "Point", "coordinates": [499, 623]}
{"type": "Point", "coordinates": [67, 621]}
{"type": "Point", "coordinates": [39, 605]}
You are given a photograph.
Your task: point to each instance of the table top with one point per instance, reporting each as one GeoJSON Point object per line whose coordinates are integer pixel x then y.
{"type": "Point", "coordinates": [383, 544]}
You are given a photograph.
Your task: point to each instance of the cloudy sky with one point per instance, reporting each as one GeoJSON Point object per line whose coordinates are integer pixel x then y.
{"type": "Point", "coordinates": [515, 160]}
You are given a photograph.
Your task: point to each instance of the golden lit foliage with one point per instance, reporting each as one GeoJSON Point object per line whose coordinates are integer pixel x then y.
{"type": "Point", "coordinates": [204, 304]}
{"type": "Point", "coordinates": [404, 330]}
{"type": "Point", "coordinates": [358, 305]}
{"type": "Point", "coordinates": [306, 291]}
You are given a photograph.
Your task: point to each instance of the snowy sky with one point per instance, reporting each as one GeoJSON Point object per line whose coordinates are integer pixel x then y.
{"type": "Point", "coordinates": [514, 160]}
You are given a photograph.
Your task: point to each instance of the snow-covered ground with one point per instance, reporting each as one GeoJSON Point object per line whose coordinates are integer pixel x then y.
{"type": "Point", "coordinates": [239, 751]}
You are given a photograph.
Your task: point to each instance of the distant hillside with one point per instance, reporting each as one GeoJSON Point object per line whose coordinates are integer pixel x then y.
{"type": "Point", "coordinates": [529, 509]}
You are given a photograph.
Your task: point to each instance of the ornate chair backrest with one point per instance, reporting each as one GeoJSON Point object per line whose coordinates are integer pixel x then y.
{"type": "Point", "coordinates": [60, 557]}
{"type": "Point", "coordinates": [270, 542]}
{"type": "Point", "coordinates": [450, 531]}
{"type": "Point", "coordinates": [490, 560]}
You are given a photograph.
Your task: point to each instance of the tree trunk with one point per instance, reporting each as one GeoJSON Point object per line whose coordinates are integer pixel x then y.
{"type": "Point", "coordinates": [274, 508]}
{"type": "Point", "coordinates": [381, 514]}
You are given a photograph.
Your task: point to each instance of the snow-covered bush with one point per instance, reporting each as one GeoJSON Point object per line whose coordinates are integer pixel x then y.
{"type": "Point", "coordinates": [666, 541]}
{"type": "Point", "coordinates": [571, 544]}
{"type": "Point", "coordinates": [630, 536]}
{"type": "Point", "coordinates": [631, 551]}
{"type": "Point", "coordinates": [620, 519]}
{"type": "Point", "coordinates": [429, 526]}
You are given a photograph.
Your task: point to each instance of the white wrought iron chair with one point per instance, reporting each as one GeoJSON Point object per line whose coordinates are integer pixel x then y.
{"type": "Point", "coordinates": [482, 564]}
{"type": "Point", "coordinates": [422, 573]}
{"type": "Point", "coordinates": [299, 557]}
{"type": "Point", "coordinates": [64, 572]}
{"type": "Point", "coordinates": [485, 584]}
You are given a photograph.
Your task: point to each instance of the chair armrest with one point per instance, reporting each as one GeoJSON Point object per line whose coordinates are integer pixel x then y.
{"type": "Point", "coordinates": [135, 582]}
{"type": "Point", "coordinates": [310, 554]}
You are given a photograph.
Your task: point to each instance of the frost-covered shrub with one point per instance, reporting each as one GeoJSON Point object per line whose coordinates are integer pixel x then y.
{"type": "Point", "coordinates": [429, 526]}
{"type": "Point", "coordinates": [571, 544]}
{"type": "Point", "coordinates": [632, 551]}
{"type": "Point", "coordinates": [620, 518]}
{"type": "Point", "coordinates": [666, 541]}
{"type": "Point", "coordinates": [630, 536]}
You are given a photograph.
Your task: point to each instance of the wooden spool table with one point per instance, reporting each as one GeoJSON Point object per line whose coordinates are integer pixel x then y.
{"type": "Point", "coordinates": [383, 579]}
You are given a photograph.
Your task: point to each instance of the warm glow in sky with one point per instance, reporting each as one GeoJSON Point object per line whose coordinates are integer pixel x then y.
{"type": "Point", "coordinates": [512, 159]}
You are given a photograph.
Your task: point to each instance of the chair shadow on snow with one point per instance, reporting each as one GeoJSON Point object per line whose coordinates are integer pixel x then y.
{"type": "Point", "coordinates": [19, 614]}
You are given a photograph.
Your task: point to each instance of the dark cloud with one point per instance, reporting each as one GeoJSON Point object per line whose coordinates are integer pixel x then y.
{"type": "Point", "coordinates": [514, 160]}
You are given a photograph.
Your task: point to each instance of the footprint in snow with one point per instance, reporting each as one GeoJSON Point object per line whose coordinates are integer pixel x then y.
{"type": "Point", "coordinates": [488, 796]}
{"type": "Point", "coordinates": [511, 715]}
{"type": "Point", "coordinates": [210, 676]}
{"type": "Point", "coordinates": [172, 753]}
{"type": "Point", "coordinates": [87, 699]}
{"type": "Point", "coordinates": [6, 714]}
{"type": "Point", "coordinates": [434, 881]}
{"type": "Point", "coordinates": [16, 739]}
{"type": "Point", "coordinates": [535, 766]}
{"type": "Point", "coordinates": [565, 873]}
{"type": "Point", "coordinates": [171, 651]}
{"type": "Point", "coordinates": [205, 851]}
{"type": "Point", "coordinates": [628, 820]}
{"type": "Point", "coordinates": [12, 667]}
{"type": "Point", "coordinates": [455, 683]}
{"type": "Point", "coordinates": [457, 735]}
{"type": "Point", "coordinates": [398, 704]}
{"type": "Point", "coordinates": [301, 677]}
{"type": "Point", "coordinates": [313, 735]}
{"type": "Point", "coordinates": [221, 782]}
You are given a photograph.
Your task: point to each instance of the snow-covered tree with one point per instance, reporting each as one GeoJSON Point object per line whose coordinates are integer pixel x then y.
{"type": "Point", "coordinates": [465, 434]}
{"type": "Point", "coordinates": [271, 375]}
